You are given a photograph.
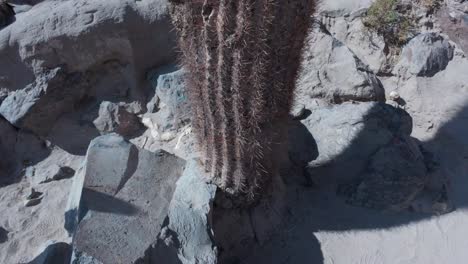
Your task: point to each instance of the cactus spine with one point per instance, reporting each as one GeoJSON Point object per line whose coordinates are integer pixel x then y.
{"type": "Point", "coordinates": [242, 58]}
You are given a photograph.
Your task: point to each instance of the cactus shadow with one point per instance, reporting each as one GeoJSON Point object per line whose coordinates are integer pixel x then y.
{"type": "Point", "coordinates": [312, 210]}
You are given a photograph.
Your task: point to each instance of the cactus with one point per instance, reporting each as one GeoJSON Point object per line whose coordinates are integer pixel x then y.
{"type": "Point", "coordinates": [242, 58]}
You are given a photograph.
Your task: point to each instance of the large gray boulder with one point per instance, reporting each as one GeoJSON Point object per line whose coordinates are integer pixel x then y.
{"type": "Point", "coordinates": [189, 231]}
{"type": "Point", "coordinates": [333, 72]}
{"type": "Point", "coordinates": [40, 103]}
{"type": "Point", "coordinates": [349, 134]}
{"type": "Point", "coordinates": [425, 55]}
{"type": "Point", "coordinates": [129, 205]}
{"type": "Point", "coordinates": [124, 201]}
{"type": "Point", "coordinates": [45, 72]}
{"type": "Point", "coordinates": [365, 151]}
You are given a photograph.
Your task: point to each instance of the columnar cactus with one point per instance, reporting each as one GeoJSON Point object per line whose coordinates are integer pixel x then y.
{"type": "Point", "coordinates": [242, 58]}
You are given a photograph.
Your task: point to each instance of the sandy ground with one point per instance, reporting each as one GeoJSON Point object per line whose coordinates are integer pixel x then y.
{"type": "Point", "coordinates": [31, 228]}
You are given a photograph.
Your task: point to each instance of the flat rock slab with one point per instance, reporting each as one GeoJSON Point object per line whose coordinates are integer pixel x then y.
{"type": "Point", "coordinates": [125, 200]}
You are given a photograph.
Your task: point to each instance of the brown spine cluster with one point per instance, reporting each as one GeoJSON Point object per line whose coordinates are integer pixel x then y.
{"type": "Point", "coordinates": [242, 58]}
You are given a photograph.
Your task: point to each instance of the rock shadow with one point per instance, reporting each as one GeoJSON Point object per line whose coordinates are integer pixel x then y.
{"type": "Point", "coordinates": [55, 253]}
{"type": "Point", "coordinates": [102, 202]}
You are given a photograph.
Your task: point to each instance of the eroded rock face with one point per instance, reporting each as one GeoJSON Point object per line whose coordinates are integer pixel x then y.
{"type": "Point", "coordinates": [189, 228]}
{"type": "Point", "coordinates": [136, 206]}
{"type": "Point", "coordinates": [7, 145]}
{"type": "Point", "coordinates": [45, 73]}
{"type": "Point", "coordinates": [332, 71]}
{"type": "Point", "coordinates": [366, 150]}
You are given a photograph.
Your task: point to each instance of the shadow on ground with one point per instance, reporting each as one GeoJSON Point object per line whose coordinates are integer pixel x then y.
{"type": "Point", "coordinates": [313, 209]}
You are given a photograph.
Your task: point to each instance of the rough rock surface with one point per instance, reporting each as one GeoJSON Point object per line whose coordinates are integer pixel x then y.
{"type": "Point", "coordinates": [369, 125]}
{"type": "Point", "coordinates": [189, 230]}
{"type": "Point", "coordinates": [425, 55]}
{"type": "Point", "coordinates": [45, 72]}
{"type": "Point", "coordinates": [125, 199]}
{"type": "Point", "coordinates": [332, 71]}
{"type": "Point", "coordinates": [168, 111]}
{"type": "Point", "coordinates": [116, 118]}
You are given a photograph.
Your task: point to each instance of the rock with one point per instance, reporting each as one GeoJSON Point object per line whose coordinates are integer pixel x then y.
{"type": "Point", "coordinates": [72, 210]}
{"type": "Point", "coordinates": [395, 176]}
{"type": "Point", "coordinates": [425, 55]}
{"type": "Point", "coordinates": [190, 218]}
{"type": "Point", "coordinates": [368, 46]}
{"type": "Point", "coordinates": [115, 118]}
{"type": "Point", "coordinates": [34, 198]}
{"type": "Point", "coordinates": [348, 135]}
{"type": "Point", "coordinates": [299, 112]}
{"type": "Point", "coordinates": [172, 104]}
{"type": "Point", "coordinates": [333, 72]}
{"type": "Point", "coordinates": [55, 252]}
{"type": "Point", "coordinates": [46, 73]}
{"type": "Point", "coordinates": [125, 198]}
{"type": "Point", "coordinates": [40, 103]}
{"type": "Point", "coordinates": [20, 7]}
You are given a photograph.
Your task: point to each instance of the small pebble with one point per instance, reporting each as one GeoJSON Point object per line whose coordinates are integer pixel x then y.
{"type": "Point", "coordinates": [394, 96]}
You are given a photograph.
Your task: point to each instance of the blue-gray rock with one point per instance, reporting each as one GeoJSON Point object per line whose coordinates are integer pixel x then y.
{"type": "Point", "coordinates": [345, 137]}
{"type": "Point", "coordinates": [115, 118]}
{"type": "Point", "coordinates": [190, 217]}
{"type": "Point", "coordinates": [38, 105]}
{"type": "Point", "coordinates": [364, 151]}
{"type": "Point", "coordinates": [425, 55]}
{"type": "Point", "coordinates": [125, 198]}
{"type": "Point", "coordinates": [169, 109]}
{"type": "Point", "coordinates": [187, 235]}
